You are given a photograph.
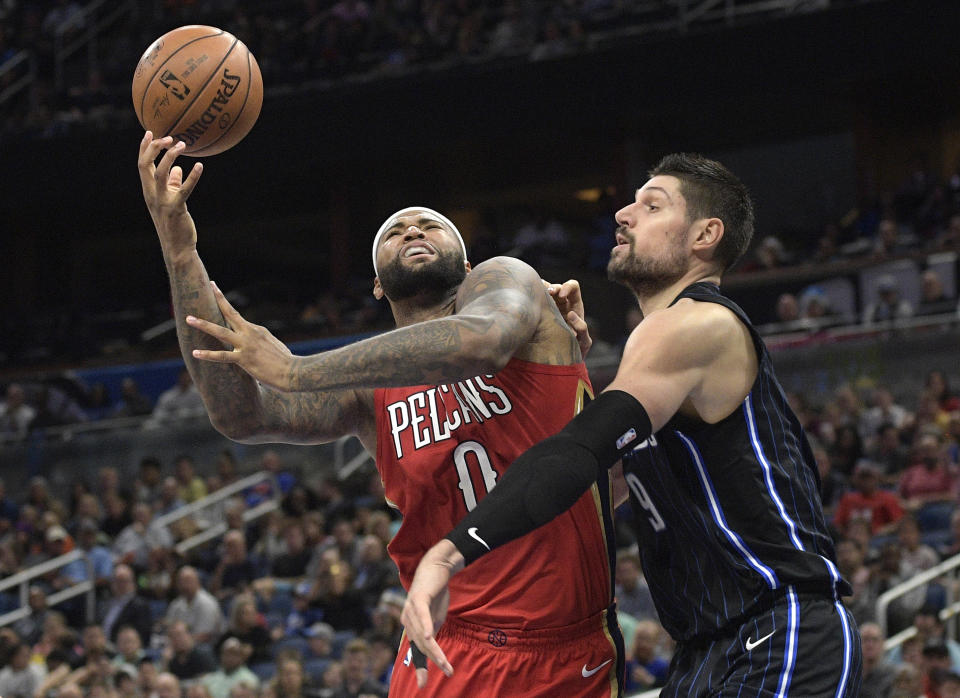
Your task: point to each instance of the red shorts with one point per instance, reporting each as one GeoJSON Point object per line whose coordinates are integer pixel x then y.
{"type": "Point", "coordinates": [584, 660]}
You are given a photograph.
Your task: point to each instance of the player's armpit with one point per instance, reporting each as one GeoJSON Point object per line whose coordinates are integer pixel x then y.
{"type": "Point", "coordinates": [619, 486]}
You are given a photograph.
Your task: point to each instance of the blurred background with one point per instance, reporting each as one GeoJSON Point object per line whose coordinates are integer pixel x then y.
{"type": "Point", "coordinates": [529, 123]}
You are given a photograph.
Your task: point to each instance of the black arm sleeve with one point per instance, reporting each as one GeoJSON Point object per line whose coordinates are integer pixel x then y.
{"type": "Point", "coordinates": [549, 478]}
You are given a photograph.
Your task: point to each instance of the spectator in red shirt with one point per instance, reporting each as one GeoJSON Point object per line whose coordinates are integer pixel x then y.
{"type": "Point", "coordinates": [927, 479]}
{"type": "Point", "coordinates": [867, 502]}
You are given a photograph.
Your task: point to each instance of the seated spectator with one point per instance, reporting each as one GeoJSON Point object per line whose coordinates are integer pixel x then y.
{"type": "Point", "coordinates": [100, 557]}
{"type": "Point", "coordinates": [124, 608]}
{"type": "Point", "coordinates": [20, 677]}
{"type": "Point", "coordinates": [132, 402]}
{"type": "Point", "coordinates": [383, 655]}
{"type": "Point", "coordinates": [30, 627]}
{"type": "Point", "coordinates": [645, 668]}
{"type": "Point", "coordinates": [851, 557]}
{"type": "Point", "coordinates": [129, 648]}
{"type": "Point", "coordinates": [883, 409]}
{"type": "Point", "coordinates": [15, 414]}
{"type": "Point", "coordinates": [290, 681]}
{"type": "Point", "coordinates": [168, 498]}
{"type": "Point", "coordinates": [182, 401]}
{"type": "Point", "coordinates": [247, 626]}
{"type": "Point", "coordinates": [933, 299]}
{"type": "Point", "coordinates": [116, 516]}
{"type": "Point", "coordinates": [192, 486]}
{"type": "Point", "coordinates": [632, 593]}
{"type": "Point", "coordinates": [878, 673]}
{"type": "Point", "coordinates": [273, 464]}
{"type": "Point", "coordinates": [927, 478]}
{"type": "Point", "coordinates": [320, 641]}
{"type": "Point", "coordinates": [892, 570]}
{"type": "Point", "coordinates": [233, 670]}
{"type": "Point", "coordinates": [292, 563]}
{"type": "Point", "coordinates": [167, 685]}
{"type": "Point", "coordinates": [235, 571]}
{"type": "Point", "coordinates": [816, 310]}
{"type": "Point", "coordinates": [185, 658]}
{"type": "Point", "coordinates": [889, 304]}
{"type": "Point", "coordinates": [881, 509]}
{"type": "Point", "coordinates": [133, 544]}
{"type": "Point", "coordinates": [376, 571]}
{"type": "Point", "coordinates": [385, 616]}
{"type": "Point", "coordinates": [196, 607]}
{"type": "Point", "coordinates": [342, 606]}
{"type": "Point", "coordinates": [916, 554]}
{"type": "Point", "coordinates": [357, 678]}
{"type": "Point", "coordinates": [937, 385]}
{"type": "Point", "coordinates": [301, 615]}
{"type": "Point", "coordinates": [889, 452]}
{"type": "Point", "coordinates": [56, 408]}
{"type": "Point", "coordinates": [890, 240]}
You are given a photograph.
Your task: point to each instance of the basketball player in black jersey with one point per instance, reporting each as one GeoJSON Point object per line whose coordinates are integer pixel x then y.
{"type": "Point", "coordinates": [723, 484]}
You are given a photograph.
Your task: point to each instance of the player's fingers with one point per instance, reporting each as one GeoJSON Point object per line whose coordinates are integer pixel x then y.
{"type": "Point", "coordinates": [176, 177]}
{"type": "Point", "coordinates": [216, 331]}
{"type": "Point", "coordinates": [576, 322]}
{"type": "Point", "coordinates": [422, 676]}
{"type": "Point", "coordinates": [217, 357]}
{"type": "Point", "coordinates": [569, 289]}
{"type": "Point", "coordinates": [166, 162]}
{"type": "Point", "coordinates": [191, 181]}
{"type": "Point", "coordinates": [230, 313]}
{"type": "Point", "coordinates": [436, 655]}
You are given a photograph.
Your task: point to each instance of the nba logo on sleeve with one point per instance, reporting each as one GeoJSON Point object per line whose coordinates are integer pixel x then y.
{"type": "Point", "coordinates": [626, 438]}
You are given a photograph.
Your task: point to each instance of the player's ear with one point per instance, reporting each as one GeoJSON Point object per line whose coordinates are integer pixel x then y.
{"type": "Point", "coordinates": [467, 266]}
{"type": "Point", "coordinates": [709, 234]}
{"type": "Point", "coordinates": [377, 289]}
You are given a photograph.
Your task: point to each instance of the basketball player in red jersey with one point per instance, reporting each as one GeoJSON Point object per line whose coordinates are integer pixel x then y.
{"type": "Point", "coordinates": [491, 368]}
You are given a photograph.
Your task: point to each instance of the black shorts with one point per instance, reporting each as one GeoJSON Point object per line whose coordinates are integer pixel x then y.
{"type": "Point", "coordinates": [804, 645]}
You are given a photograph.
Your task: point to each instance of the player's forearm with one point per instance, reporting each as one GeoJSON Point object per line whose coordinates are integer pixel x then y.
{"type": "Point", "coordinates": [428, 353]}
{"type": "Point", "coordinates": [231, 396]}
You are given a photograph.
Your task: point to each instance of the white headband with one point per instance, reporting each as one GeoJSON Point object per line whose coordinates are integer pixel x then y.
{"type": "Point", "coordinates": [429, 211]}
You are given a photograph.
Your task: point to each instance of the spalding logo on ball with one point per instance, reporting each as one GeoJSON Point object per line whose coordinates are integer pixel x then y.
{"type": "Point", "coordinates": [200, 85]}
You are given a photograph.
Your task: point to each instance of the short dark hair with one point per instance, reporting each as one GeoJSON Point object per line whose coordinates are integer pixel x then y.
{"type": "Point", "coordinates": [713, 191]}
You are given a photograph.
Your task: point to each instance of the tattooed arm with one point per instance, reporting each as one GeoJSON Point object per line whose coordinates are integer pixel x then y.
{"type": "Point", "coordinates": [498, 310]}
{"type": "Point", "coordinates": [238, 406]}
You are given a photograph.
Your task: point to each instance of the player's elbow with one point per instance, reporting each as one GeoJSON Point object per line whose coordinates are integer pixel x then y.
{"type": "Point", "coordinates": [488, 356]}
{"type": "Point", "coordinates": [239, 430]}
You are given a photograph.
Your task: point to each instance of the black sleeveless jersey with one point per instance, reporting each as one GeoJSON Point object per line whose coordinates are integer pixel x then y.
{"type": "Point", "coordinates": [728, 515]}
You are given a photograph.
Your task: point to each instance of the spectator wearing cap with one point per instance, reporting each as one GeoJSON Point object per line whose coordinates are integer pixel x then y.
{"type": "Point", "coordinates": [357, 679]}
{"type": "Point", "coordinates": [930, 630]}
{"type": "Point", "coordinates": [386, 616]}
{"type": "Point", "coordinates": [233, 670]}
{"type": "Point", "coordinates": [185, 658]}
{"type": "Point", "coordinates": [319, 641]}
{"type": "Point", "coordinates": [196, 607]}
{"type": "Point", "coordinates": [124, 607]}
{"type": "Point", "coordinates": [889, 304]}
{"type": "Point", "coordinates": [816, 311]}
{"type": "Point", "coordinates": [100, 557]}
{"type": "Point", "coordinates": [867, 502]}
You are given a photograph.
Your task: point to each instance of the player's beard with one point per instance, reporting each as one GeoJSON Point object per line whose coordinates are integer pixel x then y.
{"type": "Point", "coordinates": [646, 276]}
{"type": "Point", "coordinates": [433, 280]}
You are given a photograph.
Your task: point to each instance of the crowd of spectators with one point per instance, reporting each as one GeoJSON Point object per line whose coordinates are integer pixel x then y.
{"type": "Point", "coordinates": [32, 406]}
{"type": "Point", "coordinates": [296, 42]}
{"type": "Point", "coordinates": [301, 602]}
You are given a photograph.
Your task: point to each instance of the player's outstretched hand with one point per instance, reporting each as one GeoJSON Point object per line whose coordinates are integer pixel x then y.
{"type": "Point", "coordinates": [254, 349]}
{"type": "Point", "coordinates": [166, 192]}
{"type": "Point", "coordinates": [570, 304]}
{"type": "Point", "coordinates": [427, 601]}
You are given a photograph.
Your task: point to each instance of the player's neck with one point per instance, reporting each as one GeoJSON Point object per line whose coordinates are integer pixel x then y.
{"type": "Point", "coordinates": [410, 311]}
{"type": "Point", "coordinates": [662, 298]}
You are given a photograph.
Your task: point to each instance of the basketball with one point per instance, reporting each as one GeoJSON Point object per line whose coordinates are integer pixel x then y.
{"type": "Point", "coordinates": [200, 85]}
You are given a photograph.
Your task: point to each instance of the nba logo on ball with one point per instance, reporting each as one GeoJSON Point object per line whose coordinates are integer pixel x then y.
{"type": "Point", "coordinates": [626, 438]}
{"type": "Point", "coordinates": [200, 85]}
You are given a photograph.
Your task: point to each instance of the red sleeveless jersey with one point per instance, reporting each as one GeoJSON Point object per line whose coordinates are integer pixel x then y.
{"type": "Point", "coordinates": [440, 449]}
